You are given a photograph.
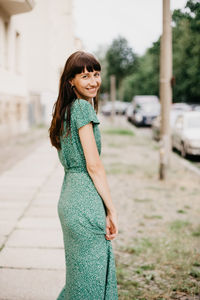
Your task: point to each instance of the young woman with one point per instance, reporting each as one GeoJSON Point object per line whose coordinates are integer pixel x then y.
{"type": "Point", "coordinates": [87, 214]}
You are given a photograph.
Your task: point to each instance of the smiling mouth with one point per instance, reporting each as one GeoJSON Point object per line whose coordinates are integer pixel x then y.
{"type": "Point", "coordinates": [91, 89]}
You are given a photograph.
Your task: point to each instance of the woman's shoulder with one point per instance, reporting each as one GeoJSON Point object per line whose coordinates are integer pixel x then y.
{"type": "Point", "coordinates": [83, 112]}
{"type": "Point", "coordinates": [81, 105]}
{"type": "Point", "coordinates": [81, 102]}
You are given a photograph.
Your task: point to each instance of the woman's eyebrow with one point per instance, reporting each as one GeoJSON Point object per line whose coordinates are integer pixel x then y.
{"type": "Point", "coordinates": [87, 73]}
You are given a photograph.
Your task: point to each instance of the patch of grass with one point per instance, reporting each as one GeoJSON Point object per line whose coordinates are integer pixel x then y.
{"type": "Point", "coordinates": [195, 273]}
{"type": "Point", "coordinates": [196, 233]}
{"type": "Point", "coordinates": [157, 188]}
{"type": "Point", "coordinates": [181, 211]}
{"type": "Point", "coordinates": [128, 287]}
{"type": "Point", "coordinates": [129, 249]}
{"type": "Point", "coordinates": [182, 188]}
{"type": "Point", "coordinates": [163, 268]}
{"type": "Point", "coordinates": [143, 200]}
{"type": "Point", "coordinates": [187, 206]}
{"type": "Point", "coordinates": [119, 131]}
{"type": "Point", "coordinates": [40, 125]}
{"type": "Point", "coordinates": [119, 168]}
{"type": "Point", "coordinates": [146, 242]}
{"type": "Point", "coordinates": [120, 273]}
{"type": "Point", "coordinates": [139, 247]}
{"type": "Point", "coordinates": [142, 224]}
{"type": "Point", "coordinates": [156, 147]}
{"type": "Point", "coordinates": [178, 225]}
{"type": "Point", "coordinates": [196, 264]}
{"type": "Point", "coordinates": [148, 267]}
{"type": "Point", "coordinates": [143, 246]}
{"type": "Point", "coordinates": [115, 145]}
{"type": "Point", "coordinates": [153, 217]}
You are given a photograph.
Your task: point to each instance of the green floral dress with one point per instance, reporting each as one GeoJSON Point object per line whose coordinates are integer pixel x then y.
{"type": "Point", "coordinates": [89, 257]}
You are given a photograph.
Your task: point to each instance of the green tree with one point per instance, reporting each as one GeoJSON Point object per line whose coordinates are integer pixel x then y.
{"type": "Point", "coordinates": [101, 55]}
{"type": "Point", "coordinates": [121, 60]}
{"type": "Point", "coordinates": [186, 53]}
{"type": "Point", "coordinates": [146, 79]}
{"type": "Point", "coordinates": [186, 60]}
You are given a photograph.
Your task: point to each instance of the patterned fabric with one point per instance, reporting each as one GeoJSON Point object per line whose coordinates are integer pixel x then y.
{"type": "Point", "coordinates": [89, 257]}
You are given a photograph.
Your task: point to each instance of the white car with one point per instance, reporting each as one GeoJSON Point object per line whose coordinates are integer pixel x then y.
{"type": "Point", "coordinates": [129, 112]}
{"type": "Point", "coordinates": [186, 133]}
{"type": "Point", "coordinates": [145, 109]}
{"type": "Point", "coordinates": [119, 107]}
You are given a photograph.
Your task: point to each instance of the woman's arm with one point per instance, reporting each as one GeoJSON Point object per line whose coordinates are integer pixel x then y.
{"type": "Point", "coordinates": [97, 173]}
{"type": "Point", "coordinates": [94, 165]}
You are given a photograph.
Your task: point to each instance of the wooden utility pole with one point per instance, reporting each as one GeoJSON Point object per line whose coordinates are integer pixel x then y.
{"type": "Point", "coordinates": [165, 89]}
{"type": "Point", "coordinates": [113, 94]}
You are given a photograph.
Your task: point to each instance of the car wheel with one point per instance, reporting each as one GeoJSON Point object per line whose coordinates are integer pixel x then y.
{"type": "Point", "coordinates": [183, 151]}
{"type": "Point", "coordinates": [172, 145]}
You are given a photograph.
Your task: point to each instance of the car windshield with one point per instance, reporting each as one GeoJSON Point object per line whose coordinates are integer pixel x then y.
{"type": "Point", "coordinates": [193, 122]}
{"type": "Point", "coordinates": [150, 107]}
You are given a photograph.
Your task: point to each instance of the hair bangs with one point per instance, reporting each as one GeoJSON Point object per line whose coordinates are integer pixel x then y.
{"type": "Point", "coordinates": [84, 62]}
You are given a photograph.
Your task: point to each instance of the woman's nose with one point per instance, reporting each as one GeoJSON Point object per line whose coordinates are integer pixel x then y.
{"type": "Point", "coordinates": [93, 81]}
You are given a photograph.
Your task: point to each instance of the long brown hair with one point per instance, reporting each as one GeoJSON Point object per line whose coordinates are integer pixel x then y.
{"type": "Point", "coordinates": [75, 64]}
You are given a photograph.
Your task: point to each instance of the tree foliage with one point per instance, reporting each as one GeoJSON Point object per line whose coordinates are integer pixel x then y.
{"type": "Point", "coordinates": [186, 53]}
{"type": "Point", "coordinates": [140, 75]}
{"type": "Point", "coordinates": [146, 79]}
{"type": "Point", "coordinates": [121, 60]}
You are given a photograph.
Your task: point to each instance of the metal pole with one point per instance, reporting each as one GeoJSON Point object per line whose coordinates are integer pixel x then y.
{"type": "Point", "coordinates": [113, 94]}
{"type": "Point", "coordinates": [165, 89]}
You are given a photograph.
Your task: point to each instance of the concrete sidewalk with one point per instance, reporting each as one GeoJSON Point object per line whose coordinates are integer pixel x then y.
{"type": "Point", "coordinates": [32, 256]}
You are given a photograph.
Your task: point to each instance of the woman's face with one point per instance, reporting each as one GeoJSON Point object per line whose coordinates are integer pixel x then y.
{"type": "Point", "coordinates": [87, 84]}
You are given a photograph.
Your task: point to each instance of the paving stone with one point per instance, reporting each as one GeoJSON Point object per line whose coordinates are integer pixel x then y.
{"type": "Point", "coordinates": [36, 238]}
{"type": "Point", "coordinates": [8, 214]}
{"type": "Point", "coordinates": [32, 258]}
{"type": "Point", "coordinates": [36, 211]}
{"type": "Point", "coordinates": [22, 284]}
{"type": "Point", "coordinates": [6, 226]}
{"type": "Point", "coordinates": [17, 196]}
{"type": "Point", "coordinates": [39, 223]}
{"type": "Point", "coordinates": [50, 202]}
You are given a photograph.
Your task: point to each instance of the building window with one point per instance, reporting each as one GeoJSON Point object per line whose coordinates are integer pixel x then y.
{"type": "Point", "coordinates": [6, 39]}
{"type": "Point", "coordinates": [17, 52]}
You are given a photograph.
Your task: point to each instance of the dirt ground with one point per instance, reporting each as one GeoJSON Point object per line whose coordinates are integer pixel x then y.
{"type": "Point", "coordinates": [158, 246]}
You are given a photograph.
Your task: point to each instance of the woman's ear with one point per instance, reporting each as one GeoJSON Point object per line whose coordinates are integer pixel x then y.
{"type": "Point", "coordinates": [71, 82]}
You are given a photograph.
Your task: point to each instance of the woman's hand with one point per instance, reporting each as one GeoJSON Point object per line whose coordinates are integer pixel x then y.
{"type": "Point", "coordinates": [111, 226]}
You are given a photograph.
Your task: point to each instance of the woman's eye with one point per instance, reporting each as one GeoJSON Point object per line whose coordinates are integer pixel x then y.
{"type": "Point", "coordinates": [84, 76]}
{"type": "Point", "coordinates": [97, 74]}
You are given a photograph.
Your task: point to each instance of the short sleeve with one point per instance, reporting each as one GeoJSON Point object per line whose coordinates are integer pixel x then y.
{"type": "Point", "coordinates": [84, 113]}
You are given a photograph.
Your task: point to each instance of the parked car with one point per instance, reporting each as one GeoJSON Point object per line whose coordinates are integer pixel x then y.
{"type": "Point", "coordinates": [176, 110]}
{"type": "Point", "coordinates": [186, 133]}
{"type": "Point", "coordinates": [181, 106]}
{"type": "Point", "coordinates": [145, 109]}
{"type": "Point", "coordinates": [107, 109]}
{"type": "Point", "coordinates": [195, 107]}
{"type": "Point", "coordinates": [119, 106]}
{"type": "Point", "coordinates": [129, 112]}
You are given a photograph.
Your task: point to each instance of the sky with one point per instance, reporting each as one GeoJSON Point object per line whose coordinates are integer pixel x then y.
{"type": "Point", "coordinates": [98, 22]}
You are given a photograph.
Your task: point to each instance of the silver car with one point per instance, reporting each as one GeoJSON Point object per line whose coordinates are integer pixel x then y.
{"type": "Point", "coordinates": [156, 134]}
{"type": "Point", "coordinates": [186, 133]}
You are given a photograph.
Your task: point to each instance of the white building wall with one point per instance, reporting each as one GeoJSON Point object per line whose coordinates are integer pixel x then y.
{"type": "Point", "coordinates": [31, 61]}
{"type": "Point", "coordinates": [50, 43]}
{"type": "Point", "coordinates": [13, 83]}
{"type": "Point", "coordinates": [13, 80]}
